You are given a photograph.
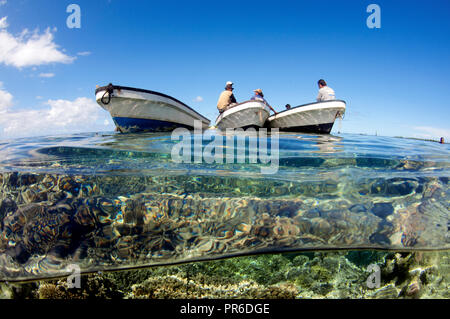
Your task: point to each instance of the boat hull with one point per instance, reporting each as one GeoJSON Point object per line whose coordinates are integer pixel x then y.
{"type": "Point", "coordinates": [244, 115]}
{"type": "Point", "coordinates": [134, 125]}
{"type": "Point", "coordinates": [309, 118]}
{"type": "Point", "coordinates": [136, 110]}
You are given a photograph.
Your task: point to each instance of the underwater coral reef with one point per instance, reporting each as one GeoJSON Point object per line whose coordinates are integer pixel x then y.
{"type": "Point", "coordinates": [318, 275]}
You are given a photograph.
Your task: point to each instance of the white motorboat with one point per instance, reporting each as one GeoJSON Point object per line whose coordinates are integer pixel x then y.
{"type": "Point", "coordinates": [316, 117]}
{"type": "Point", "coordinates": [244, 115]}
{"type": "Point", "coordinates": [134, 110]}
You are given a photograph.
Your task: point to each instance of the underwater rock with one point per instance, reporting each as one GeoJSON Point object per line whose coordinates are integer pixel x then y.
{"type": "Point", "coordinates": [400, 187]}
{"type": "Point", "coordinates": [378, 238]}
{"type": "Point", "coordinates": [300, 260]}
{"type": "Point", "coordinates": [91, 287]}
{"type": "Point", "coordinates": [18, 252]}
{"type": "Point", "coordinates": [313, 213]}
{"type": "Point", "coordinates": [308, 275]}
{"type": "Point", "coordinates": [7, 206]}
{"type": "Point", "coordinates": [328, 275]}
{"type": "Point", "coordinates": [52, 220]}
{"type": "Point", "coordinates": [18, 291]}
{"type": "Point", "coordinates": [358, 208]}
{"type": "Point", "coordinates": [174, 287]}
{"type": "Point", "coordinates": [417, 275]}
{"type": "Point", "coordinates": [393, 187]}
{"type": "Point", "coordinates": [10, 180]}
{"type": "Point", "coordinates": [382, 210]}
{"type": "Point", "coordinates": [320, 227]}
{"type": "Point", "coordinates": [27, 179]}
{"type": "Point", "coordinates": [36, 229]}
{"type": "Point", "coordinates": [33, 195]}
{"type": "Point", "coordinates": [6, 292]}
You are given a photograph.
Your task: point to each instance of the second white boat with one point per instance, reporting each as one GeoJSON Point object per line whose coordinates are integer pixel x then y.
{"type": "Point", "coordinates": [244, 115]}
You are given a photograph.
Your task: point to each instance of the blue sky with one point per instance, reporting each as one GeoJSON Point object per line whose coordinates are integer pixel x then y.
{"type": "Point", "coordinates": [394, 79]}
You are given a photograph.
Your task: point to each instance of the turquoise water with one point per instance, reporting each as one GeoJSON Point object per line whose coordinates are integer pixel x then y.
{"type": "Point", "coordinates": [107, 201]}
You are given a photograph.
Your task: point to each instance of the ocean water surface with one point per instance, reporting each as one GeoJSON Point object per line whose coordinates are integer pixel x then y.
{"type": "Point", "coordinates": [107, 201]}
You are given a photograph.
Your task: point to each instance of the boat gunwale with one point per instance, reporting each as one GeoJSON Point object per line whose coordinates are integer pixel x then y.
{"type": "Point", "coordinates": [303, 105]}
{"type": "Point", "coordinates": [119, 87]}
{"type": "Point", "coordinates": [239, 104]}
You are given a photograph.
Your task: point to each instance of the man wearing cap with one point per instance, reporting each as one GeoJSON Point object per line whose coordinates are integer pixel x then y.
{"type": "Point", "coordinates": [259, 96]}
{"type": "Point", "coordinates": [226, 99]}
{"type": "Point", "coordinates": [325, 93]}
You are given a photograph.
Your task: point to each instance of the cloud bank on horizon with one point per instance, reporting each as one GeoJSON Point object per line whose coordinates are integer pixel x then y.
{"type": "Point", "coordinates": [31, 49]}
{"type": "Point", "coordinates": [5, 100]}
{"type": "Point", "coordinates": [58, 116]}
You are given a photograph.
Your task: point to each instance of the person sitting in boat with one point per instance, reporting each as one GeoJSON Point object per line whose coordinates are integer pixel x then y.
{"type": "Point", "coordinates": [226, 99]}
{"type": "Point", "coordinates": [325, 92]}
{"type": "Point", "coordinates": [259, 96]}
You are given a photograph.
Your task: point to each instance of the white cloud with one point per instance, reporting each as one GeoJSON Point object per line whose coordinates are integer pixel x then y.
{"type": "Point", "coordinates": [58, 116]}
{"type": "Point", "coordinates": [6, 100]}
{"type": "Point", "coordinates": [2, 2]}
{"type": "Point", "coordinates": [198, 99]}
{"type": "Point", "coordinates": [65, 113]}
{"type": "Point", "coordinates": [30, 48]}
{"type": "Point", "coordinates": [3, 23]}
{"type": "Point", "coordinates": [431, 132]}
{"type": "Point", "coordinates": [46, 75]}
{"type": "Point", "coordinates": [84, 53]}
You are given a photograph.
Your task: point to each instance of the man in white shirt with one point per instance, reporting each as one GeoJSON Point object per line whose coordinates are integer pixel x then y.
{"type": "Point", "coordinates": [325, 93]}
